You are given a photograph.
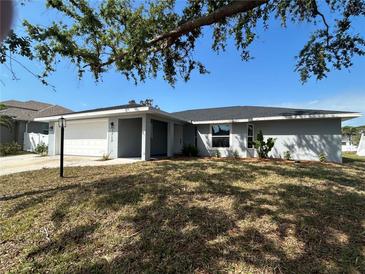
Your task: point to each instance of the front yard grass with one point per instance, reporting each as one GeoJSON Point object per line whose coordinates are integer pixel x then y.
{"type": "Point", "coordinates": [184, 216]}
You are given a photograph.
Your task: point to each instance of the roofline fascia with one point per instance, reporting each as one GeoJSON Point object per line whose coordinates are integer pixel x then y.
{"type": "Point", "coordinates": [147, 109]}
{"type": "Point", "coordinates": [107, 113]}
{"type": "Point", "coordinates": [166, 114]}
{"type": "Point", "coordinates": [278, 118]}
{"type": "Point", "coordinates": [92, 114]}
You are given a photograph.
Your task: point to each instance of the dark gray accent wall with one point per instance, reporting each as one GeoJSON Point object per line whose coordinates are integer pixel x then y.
{"type": "Point", "coordinates": [38, 127]}
{"type": "Point", "coordinates": [189, 134]}
{"type": "Point", "coordinates": [19, 132]}
{"type": "Point", "coordinates": [129, 137]}
{"type": "Point", "coordinates": [158, 138]}
{"type": "Point", "coordinates": [7, 135]}
{"type": "Point", "coordinates": [16, 134]}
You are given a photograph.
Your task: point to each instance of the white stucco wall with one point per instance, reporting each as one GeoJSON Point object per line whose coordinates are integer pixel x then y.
{"type": "Point", "coordinates": [238, 141]}
{"type": "Point", "coordinates": [305, 139]}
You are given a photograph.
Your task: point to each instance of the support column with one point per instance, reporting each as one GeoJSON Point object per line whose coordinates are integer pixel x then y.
{"type": "Point", "coordinates": [170, 139]}
{"type": "Point", "coordinates": [52, 145]}
{"type": "Point", "coordinates": [146, 138]}
{"type": "Point", "coordinates": [113, 127]}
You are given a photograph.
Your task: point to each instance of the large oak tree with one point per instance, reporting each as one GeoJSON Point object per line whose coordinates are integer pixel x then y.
{"type": "Point", "coordinates": [141, 39]}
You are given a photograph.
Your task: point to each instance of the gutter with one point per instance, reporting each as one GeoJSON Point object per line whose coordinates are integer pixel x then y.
{"type": "Point", "coordinates": [109, 113]}
{"type": "Point", "coordinates": [343, 116]}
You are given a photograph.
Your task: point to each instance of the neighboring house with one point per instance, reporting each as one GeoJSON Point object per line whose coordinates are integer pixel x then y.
{"type": "Point", "coordinates": [136, 130]}
{"type": "Point", "coordinates": [23, 114]}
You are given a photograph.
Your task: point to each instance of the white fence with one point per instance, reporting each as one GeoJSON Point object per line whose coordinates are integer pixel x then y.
{"type": "Point", "coordinates": [361, 148]}
{"type": "Point", "coordinates": [349, 148]}
{"type": "Point", "coordinates": [31, 140]}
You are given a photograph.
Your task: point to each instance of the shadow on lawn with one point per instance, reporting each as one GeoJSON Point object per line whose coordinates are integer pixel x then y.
{"type": "Point", "coordinates": [185, 228]}
{"type": "Point", "coordinates": [71, 238]}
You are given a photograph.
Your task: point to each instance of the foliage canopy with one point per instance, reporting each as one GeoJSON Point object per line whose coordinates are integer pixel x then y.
{"type": "Point", "coordinates": [141, 39]}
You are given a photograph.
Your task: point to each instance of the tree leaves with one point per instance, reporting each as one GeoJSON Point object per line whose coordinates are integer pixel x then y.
{"type": "Point", "coordinates": [140, 40]}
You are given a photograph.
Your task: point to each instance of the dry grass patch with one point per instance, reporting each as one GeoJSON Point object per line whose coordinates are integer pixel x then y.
{"type": "Point", "coordinates": [186, 216]}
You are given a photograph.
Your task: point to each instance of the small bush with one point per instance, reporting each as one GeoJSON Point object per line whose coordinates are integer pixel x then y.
{"type": "Point", "coordinates": [217, 153]}
{"type": "Point", "coordinates": [106, 157]}
{"type": "Point", "coordinates": [287, 155]}
{"type": "Point", "coordinates": [10, 149]}
{"type": "Point", "coordinates": [263, 148]}
{"type": "Point", "coordinates": [233, 153]}
{"type": "Point", "coordinates": [41, 149]}
{"type": "Point", "coordinates": [236, 154]}
{"type": "Point", "coordinates": [322, 157]}
{"type": "Point", "coordinates": [190, 151]}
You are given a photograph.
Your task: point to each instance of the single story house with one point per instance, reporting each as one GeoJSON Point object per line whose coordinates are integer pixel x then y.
{"type": "Point", "coordinates": [23, 115]}
{"type": "Point", "coordinates": [135, 130]}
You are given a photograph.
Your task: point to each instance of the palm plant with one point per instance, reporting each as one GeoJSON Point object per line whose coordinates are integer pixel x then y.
{"type": "Point", "coordinates": [5, 120]}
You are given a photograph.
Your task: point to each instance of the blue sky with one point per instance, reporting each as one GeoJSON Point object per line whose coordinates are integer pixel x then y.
{"type": "Point", "coordinates": [267, 80]}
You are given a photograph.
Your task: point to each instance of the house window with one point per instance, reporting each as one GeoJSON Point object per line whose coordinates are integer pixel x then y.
{"type": "Point", "coordinates": [220, 135]}
{"type": "Point", "coordinates": [250, 136]}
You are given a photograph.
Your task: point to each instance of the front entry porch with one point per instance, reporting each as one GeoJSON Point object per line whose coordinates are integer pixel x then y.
{"type": "Point", "coordinates": [143, 136]}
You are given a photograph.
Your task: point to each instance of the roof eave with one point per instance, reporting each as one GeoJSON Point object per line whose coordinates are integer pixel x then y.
{"type": "Point", "coordinates": [343, 116]}
{"type": "Point", "coordinates": [92, 114]}
{"type": "Point", "coordinates": [110, 113]}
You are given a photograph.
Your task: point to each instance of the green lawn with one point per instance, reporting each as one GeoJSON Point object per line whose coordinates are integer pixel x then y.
{"type": "Point", "coordinates": [349, 157]}
{"type": "Point", "coordinates": [183, 216]}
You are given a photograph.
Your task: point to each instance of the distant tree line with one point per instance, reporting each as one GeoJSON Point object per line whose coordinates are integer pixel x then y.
{"type": "Point", "coordinates": [353, 133]}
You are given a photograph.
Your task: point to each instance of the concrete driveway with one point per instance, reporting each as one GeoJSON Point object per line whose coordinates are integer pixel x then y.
{"type": "Point", "coordinates": [27, 162]}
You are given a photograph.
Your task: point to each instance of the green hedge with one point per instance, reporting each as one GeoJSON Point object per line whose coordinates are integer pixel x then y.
{"type": "Point", "coordinates": [190, 151]}
{"type": "Point", "coordinates": [10, 149]}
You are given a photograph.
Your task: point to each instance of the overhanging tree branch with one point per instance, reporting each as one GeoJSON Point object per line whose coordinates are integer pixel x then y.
{"type": "Point", "coordinates": [141, 40]}
{"type": "Point", "coordinates": [216, 16]}
{"type": "Point", "coordinates": [317, 12]}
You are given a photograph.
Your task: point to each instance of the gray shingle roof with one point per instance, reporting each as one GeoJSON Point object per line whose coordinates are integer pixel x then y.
{"type": "Point", "coordinates": [52, 110]}
{"type": "Point", "coordinates": [29, 110]}
{"type": "Point", "coordinates": [245, 112]}
{"type": "Point", "coordinates": [19, 113]}
{"type": "Point", "coordinates": [34, 105]}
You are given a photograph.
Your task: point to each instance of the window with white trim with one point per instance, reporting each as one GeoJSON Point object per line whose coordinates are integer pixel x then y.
{"type": "Point", "coordinates": [250, 135]}
{"type": "Point", "coordinates": [220, 135]}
